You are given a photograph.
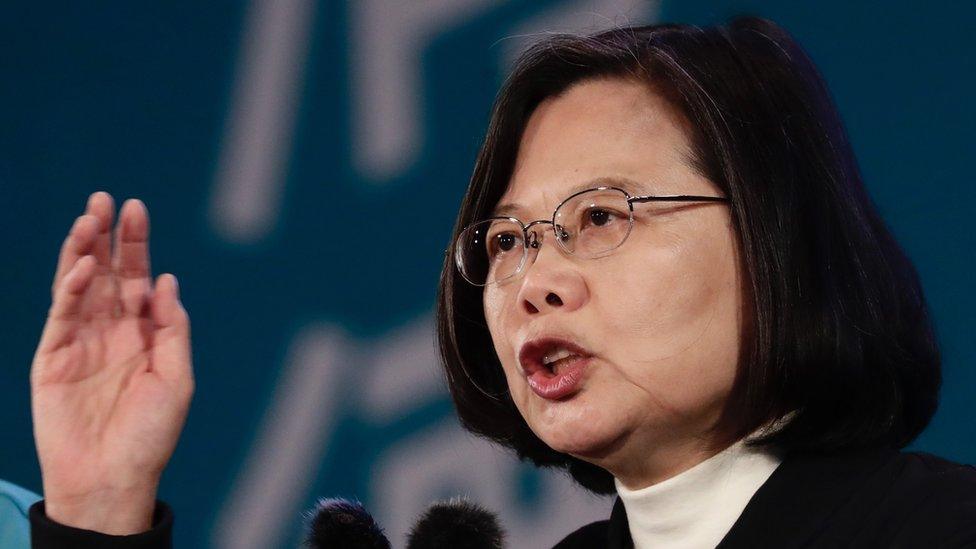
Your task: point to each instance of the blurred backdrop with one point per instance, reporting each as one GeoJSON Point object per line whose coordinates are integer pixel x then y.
{"type": "Point", "coordinates": [261, 133]}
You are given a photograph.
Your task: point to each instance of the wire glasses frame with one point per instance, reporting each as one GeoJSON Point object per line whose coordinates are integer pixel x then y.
{"type": "Point", "coordinates": [589, 230]}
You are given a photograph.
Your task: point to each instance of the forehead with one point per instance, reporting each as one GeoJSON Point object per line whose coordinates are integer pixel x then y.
{"type": "Point", "coordinates": [506, 207]}
{"type": "Point", "coordinates": [600, 132]}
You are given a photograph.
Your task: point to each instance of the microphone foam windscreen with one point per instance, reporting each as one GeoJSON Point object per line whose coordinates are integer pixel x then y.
{"type": "Point", "coordinates": [338, 523]}
{"type": "Point", "coordinates": [456, 524]}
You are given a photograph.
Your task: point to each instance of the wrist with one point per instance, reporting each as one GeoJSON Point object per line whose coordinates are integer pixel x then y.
{"type": "Point", "coordinates": [108, 511]}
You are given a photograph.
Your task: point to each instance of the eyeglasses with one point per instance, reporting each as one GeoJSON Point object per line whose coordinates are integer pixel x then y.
{"type": "Point", "coordinates": [588, 224]}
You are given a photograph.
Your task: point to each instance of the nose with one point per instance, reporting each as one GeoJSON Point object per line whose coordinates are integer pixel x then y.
{"type": "Point", "coordinates": [551, 282]}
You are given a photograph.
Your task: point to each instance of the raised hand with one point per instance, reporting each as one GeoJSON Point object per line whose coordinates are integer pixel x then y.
{"type": "Point", "coordinates": [112, 379]}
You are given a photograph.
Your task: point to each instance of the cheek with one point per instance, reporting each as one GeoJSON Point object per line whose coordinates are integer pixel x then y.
{"type": "Point", "coordinates": [662, 293]}
{"type": "Point", "coordinates": [496, 306]}
{"type": "Point", "coordinates": [673, 310]}
{"type": "Point", "coordinates": [493, 306]}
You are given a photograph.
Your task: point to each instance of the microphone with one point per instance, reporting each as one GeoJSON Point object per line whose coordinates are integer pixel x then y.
{"type": "Point", "coordinates": [456, 524]}
{"type": "Point", "coordinates": [340, 523]}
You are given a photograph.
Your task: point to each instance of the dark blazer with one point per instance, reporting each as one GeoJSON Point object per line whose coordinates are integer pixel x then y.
{"type": "Point", "coordinates": [874, 498]}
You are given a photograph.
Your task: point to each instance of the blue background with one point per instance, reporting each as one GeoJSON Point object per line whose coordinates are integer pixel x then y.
{"type": "Point", "coordinates": [134, 98]}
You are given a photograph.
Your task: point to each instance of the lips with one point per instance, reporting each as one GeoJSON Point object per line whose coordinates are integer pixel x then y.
{"type": "Point", "coordinates": [554, 366]}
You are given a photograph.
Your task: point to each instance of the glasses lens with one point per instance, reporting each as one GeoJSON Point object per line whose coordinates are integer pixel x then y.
{"type": "Point", "coordinates": [593, 223]}
{"type": "Point", "coordinates": [490, 251]}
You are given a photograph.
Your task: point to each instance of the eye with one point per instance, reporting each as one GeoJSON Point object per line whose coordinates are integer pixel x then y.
{"type": "Point", "coordinates": [500, 243]}
{"type": "Point", "coordinates": [599, 217]}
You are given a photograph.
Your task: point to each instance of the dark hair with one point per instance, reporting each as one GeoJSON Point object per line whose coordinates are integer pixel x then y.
{"type": "Point", "coordinates": [840, 340]}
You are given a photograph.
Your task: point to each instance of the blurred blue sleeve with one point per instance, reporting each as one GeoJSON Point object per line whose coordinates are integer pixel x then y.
{"type": "Point", "coordinates": [14, 526]}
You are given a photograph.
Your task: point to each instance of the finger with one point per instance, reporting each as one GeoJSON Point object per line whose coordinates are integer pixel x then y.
{"type": "Point", "coordinates": [104, 292]}
{"type": "Point", "coordinates": [66, 309]}
{"type": "Point", "coordinates": [171, 341]}
{"type": "Point", "coordinates": [78, 243]}
{"type": "Point", "coordinates": [102, 206]}
{"type": "Point", "coordinates": [130, 258]}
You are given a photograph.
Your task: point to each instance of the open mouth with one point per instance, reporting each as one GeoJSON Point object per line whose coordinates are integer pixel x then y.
{"type": "Point", "coordinates": [559, 359]}
{"type": "Point", "coordinates": [553, 367]}
{"type": "Point", "coordinates": [550, 355]}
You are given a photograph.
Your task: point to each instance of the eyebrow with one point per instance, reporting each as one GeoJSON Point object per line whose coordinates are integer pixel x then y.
{"type": "Point", "coordinates": [632, 187]}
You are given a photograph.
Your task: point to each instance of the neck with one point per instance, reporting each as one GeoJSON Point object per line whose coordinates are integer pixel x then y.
{"type": "Point", "coordinates": [637, 466]}
{"type": "Point", "coordinates": [698, 506]}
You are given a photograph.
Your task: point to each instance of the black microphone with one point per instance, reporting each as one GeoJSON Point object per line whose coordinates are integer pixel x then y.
{"type": "Point", "coordinates": [456, 524]}
{"type": "Point", "coordinates": [338, 523]}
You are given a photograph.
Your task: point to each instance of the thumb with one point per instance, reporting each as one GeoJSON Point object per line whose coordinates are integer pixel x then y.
{"type": "Point", "coordinates": [171, 355]}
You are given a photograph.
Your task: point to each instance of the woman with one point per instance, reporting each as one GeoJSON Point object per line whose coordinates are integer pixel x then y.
{"type": "Point", "coordinates": [691, 300]}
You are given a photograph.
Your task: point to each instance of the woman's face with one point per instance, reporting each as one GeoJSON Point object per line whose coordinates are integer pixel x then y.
{"type": "Point", "coordinates": [658, 320]}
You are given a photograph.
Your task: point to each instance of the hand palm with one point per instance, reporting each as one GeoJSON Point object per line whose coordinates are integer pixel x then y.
{"type": "Point", "coordinates": [111, 379]}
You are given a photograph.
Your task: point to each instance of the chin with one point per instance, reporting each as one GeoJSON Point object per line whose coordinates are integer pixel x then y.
{"type": "Point", "coordinates": [585, 439]}
{"type": "Point", "coordinates": [588, 449]}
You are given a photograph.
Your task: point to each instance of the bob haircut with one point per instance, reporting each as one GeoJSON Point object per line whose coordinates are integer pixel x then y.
{"type": "Point", "coordinates": [839, 353]}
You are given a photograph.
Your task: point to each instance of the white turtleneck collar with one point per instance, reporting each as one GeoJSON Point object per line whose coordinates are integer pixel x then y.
{"type": "Point", "coordinates": [697, 507]}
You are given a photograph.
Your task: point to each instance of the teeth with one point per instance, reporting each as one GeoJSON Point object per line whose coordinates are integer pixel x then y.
{"type": "Point", "coordinates": [556, 354]}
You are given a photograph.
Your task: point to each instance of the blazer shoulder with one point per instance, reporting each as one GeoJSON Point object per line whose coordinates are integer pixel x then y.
{"type": "Point", "coordinates": [938, 464]}
{"type": "Point", "coordinates": [937, 476]}
{"type": "Point", "coordinates": [591, 535]}
{"type": "Point", "coordinates": [942, 497]}
{"type": "Point", "coordinates": [872, 497]}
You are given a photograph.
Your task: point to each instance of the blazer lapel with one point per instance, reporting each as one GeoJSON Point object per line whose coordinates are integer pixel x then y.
{"type": "Point", "coordinates": [618, 530]}
{"type": "Point", "coordinates": [799, 498]}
